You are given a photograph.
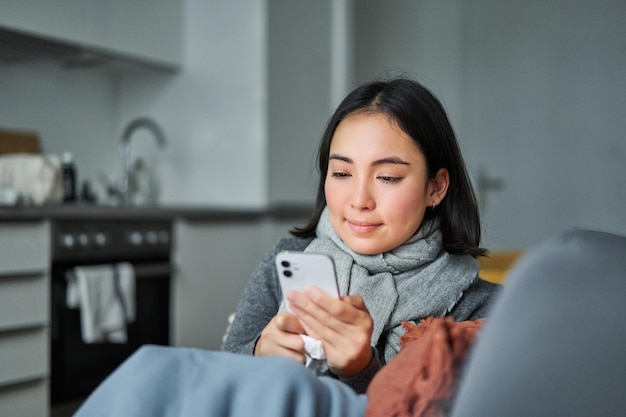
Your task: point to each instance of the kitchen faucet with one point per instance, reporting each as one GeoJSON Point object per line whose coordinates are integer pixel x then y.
{"type": "Point", "coordinates": [123, 183]}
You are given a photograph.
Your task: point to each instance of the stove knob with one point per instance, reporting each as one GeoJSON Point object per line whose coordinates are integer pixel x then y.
{"type": "Point", "coordinates": [67, 241]}
{"type": "Point", "coordinates": [83, 239]}
{"type": "Point", "coordinates": [152, 237]}
{"type": "Point", "coordinates": [135, 238]}
{"type": "Point", "coordinates": [164, 237]}
{"type": "Point", "coordinates": [100, 239]}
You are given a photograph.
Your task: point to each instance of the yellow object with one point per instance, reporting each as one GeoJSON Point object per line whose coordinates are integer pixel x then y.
{"type": "Point", "coordinates": [495, 267]}
{"type": "Point", "coordinates": [12, 141]}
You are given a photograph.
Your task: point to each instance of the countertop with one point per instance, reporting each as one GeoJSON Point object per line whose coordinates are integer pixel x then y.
{"type": "Point", "coordinates": [81, 211]}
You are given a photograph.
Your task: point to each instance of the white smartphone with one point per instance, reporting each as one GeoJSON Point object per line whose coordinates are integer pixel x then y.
{"type": "Point", "coordinates": [296, 270]}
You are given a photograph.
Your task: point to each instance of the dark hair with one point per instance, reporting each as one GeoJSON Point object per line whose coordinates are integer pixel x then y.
{"type": "Point", "coordinates": [421, 116]}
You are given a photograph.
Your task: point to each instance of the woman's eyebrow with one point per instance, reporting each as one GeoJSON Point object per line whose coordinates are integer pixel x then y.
{"type": "Point", "coordinates": [340, 158]}
{"type": "Point", "coordinates": [388, 160]}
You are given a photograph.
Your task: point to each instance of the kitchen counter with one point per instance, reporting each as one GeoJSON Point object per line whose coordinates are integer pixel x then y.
{"type": "Point", "coordinates": [102, 212]}
{"type": "Point", "coordinates": [209, 253]}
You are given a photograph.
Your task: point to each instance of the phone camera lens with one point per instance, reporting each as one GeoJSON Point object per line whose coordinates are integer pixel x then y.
{"type": "Point", "coordinates": [287, 273]}
{"type": "Point", "coordinates": [286, 264]}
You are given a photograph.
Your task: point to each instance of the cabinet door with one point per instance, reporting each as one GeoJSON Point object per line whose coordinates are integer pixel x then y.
{"type": "Point", "coordinates": [24, 301]}
{"type": "Point", "coordinates": [24, 274]}
{"type": "Point", "coordinates": [23, 355]}
{"type": "Point", "coordinates": [58, 19]}
{"type": "Point", "coordinates": [146, 29]}
{"type": "Point", "coordinates": [214, 262]}
{"type": "Point", "coordinates": [24, 318]}
{"type": "Point", "coordinates": [24, 247]}
{"type": "Point", "coordinates": [27, 399]}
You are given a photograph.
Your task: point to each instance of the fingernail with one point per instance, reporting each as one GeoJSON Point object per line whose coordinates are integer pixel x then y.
{"type": "Point", "coordinates": [292, 296]}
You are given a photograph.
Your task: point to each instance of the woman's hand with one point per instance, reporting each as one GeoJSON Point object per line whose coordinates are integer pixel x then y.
{"type": "Point", "coordinates": [343, 325]}
{"type": "Point", "coordinates": [281, 337]}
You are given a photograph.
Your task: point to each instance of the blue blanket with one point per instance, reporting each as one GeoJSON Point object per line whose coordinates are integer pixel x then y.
{"type": "Point", "coordinates": [184, 382]}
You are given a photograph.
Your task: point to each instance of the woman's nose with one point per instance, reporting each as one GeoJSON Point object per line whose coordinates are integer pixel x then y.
{"type": "Point", "coordinates": [362, 196]}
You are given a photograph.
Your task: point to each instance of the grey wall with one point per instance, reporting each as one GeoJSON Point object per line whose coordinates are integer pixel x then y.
{"type": "Point", "coordinates": [536, 93]}
{"type": "Point", "coordinates": [214, 110]}
{"type": "Point", "coordinates": [422, 39]}
{"type": "Point", "coordinates": [72, 110]}
{"type": "Point", "coordinates": [299, 86]}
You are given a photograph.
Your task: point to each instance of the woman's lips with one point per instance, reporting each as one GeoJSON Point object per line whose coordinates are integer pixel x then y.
{"type": "Point", "coordinates": [362, 227]}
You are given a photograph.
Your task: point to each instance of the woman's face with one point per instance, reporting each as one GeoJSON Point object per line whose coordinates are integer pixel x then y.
{"type": "Point", "coordinates": [377, 189]}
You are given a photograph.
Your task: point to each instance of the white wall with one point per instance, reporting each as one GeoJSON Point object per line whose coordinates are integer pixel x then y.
{"type": "Point", "coordinates": [536, 93]}
{"type": "Point", "coordinates": [535, 90]}
{"type": "Point", "coordinates": [544, 105]}
{"type": "Point", "coordinates": [213, 112]}
{"type": "Point", "coordinates": [71, 110]}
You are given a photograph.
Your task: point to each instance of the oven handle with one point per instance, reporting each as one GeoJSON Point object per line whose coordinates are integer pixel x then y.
{"type": "Point", "coordinates": [152, 270]}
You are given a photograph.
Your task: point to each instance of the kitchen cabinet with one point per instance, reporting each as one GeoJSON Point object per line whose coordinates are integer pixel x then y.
{"type": "Point", "coordinates": [215, 259]}
{"type": "Point", "coordinates": [24, 318]}
{"type": "Point", "coordinates": [150, 30]}
{"type": "Point", "coordinates": [144, 32]}
{"type": "Point", "coordinates": [214, 254]}
{"type": "Point", "coordinates": [56, 19]}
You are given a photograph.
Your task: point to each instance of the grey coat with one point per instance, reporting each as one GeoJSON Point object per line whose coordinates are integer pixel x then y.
{"type": "Point", "coordinates": [262, 297]}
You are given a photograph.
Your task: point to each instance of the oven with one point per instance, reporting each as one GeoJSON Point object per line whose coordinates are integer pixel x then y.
{"type": "Point", "coordinates": [78, 367]}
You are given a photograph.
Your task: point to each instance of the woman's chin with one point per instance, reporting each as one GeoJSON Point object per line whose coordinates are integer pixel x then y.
{"type": "Point", "coordinates": [366, 246]}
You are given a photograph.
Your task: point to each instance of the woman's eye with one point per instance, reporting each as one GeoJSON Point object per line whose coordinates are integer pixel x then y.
{"type": "Point", "coordinates": [387, 178]}
{"type": "Point", "coordinates": [340, 174]}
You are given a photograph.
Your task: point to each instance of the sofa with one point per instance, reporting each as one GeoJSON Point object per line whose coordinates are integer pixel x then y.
{"type": "Point", "coordinates": [555, 341]}
{"type": "Point", "coordinates": [553, 345]}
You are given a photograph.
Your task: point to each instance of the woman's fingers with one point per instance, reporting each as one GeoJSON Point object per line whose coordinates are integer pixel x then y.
{"type": "Point", "coordinates": [281, 337]}
{"type": "Point", "coordinates": [316, 308]}
{"type": "Point", "coordinates": [313, 311]}
{"type": "Point", "coordinates": [356, 301]}
{"type": "Point", "coordinates": [344, 326]}
{"type": "Point", "coordinates": [289, 323]}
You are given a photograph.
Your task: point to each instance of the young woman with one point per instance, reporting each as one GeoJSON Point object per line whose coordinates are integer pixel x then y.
{"type": "Point", "coordinates": [396, 212]}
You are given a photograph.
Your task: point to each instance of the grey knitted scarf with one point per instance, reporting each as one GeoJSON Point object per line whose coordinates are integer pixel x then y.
{"type": "Point", "coordinates": [413, 281]}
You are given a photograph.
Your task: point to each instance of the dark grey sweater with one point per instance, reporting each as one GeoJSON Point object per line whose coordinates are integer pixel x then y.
{"type": "Point", "coordinates": [262, 297]}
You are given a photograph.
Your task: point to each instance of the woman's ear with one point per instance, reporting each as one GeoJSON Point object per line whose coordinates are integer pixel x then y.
{"type": "Point", "coordinates": [438, 187]}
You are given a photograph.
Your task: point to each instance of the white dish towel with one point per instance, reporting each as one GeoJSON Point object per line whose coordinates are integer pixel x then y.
{"type": "Point", "coordinates": [105, 295]}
